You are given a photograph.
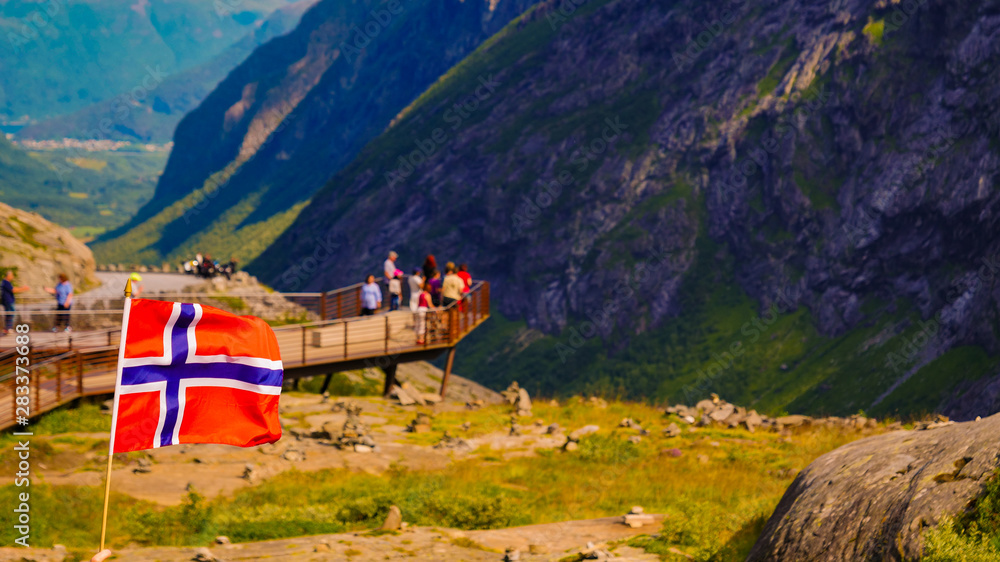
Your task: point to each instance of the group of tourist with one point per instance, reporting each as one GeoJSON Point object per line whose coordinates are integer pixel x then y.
{"type": "Point", "coordinates": [205, 266]}
{"type": "Point", "coordinates": [63, 292]}
{"type": "Point", "coordinates": [428, 289]}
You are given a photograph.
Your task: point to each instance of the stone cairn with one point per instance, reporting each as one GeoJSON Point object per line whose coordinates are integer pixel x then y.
{"type": "Point", "coordinates": [420, 424]}
{"type": "Point", "coordinates": [518, 398]}
{"type": "Point", "coordinates": [455, 443]}
{"type": "Point", "coordinates": [355, 433]}
{"type": "Point", "coordinates": [715, 411]}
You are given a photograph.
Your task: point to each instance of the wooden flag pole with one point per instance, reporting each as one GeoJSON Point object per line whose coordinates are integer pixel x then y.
{"type": "Point", "coordinates": [111, 445]}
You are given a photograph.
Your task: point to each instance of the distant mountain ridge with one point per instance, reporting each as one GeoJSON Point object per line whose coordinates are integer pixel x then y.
{"type": "Point", "coordinates": [154, 117]}
{"type": "Point", "coordinates": [58, 57]}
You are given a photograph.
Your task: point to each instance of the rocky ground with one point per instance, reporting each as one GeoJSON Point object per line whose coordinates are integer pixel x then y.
{"type": "Point", "coordinates": [710, 445]}
{"type": "Point", "coordinates": [535, 543]}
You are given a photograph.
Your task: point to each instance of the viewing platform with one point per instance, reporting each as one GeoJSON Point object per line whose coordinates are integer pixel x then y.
{"type": "Point", "coordinates": [67, 366]}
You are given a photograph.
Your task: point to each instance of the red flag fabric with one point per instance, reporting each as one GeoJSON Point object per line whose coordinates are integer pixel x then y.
{"type": "Point", "coordinates": [194, 374]}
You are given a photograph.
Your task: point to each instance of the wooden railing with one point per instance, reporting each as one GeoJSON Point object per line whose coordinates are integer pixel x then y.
{"type": "Point", "coordinates": [327, 305]}
{"type": "Point", "coordinates": [385, 334]}
{"type": "Point", "coordinates": [85, 364]}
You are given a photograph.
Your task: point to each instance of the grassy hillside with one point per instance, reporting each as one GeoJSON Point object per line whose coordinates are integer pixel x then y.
{"type": "Point", "coordinates": [771, 359]}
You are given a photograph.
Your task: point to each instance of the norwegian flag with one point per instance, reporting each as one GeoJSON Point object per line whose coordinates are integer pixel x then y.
{"type": "Point", "coordinates": [194, 374]}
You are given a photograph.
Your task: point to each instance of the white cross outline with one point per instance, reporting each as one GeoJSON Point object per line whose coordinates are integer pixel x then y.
{"type": "Point", "coordinates": [161, 386]}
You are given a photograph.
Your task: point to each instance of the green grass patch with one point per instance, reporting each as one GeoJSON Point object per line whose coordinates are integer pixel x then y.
{"type": "Point", "coordinates": [973, 536]}
{"type": "Point", "coordinates": [778, 70]}
{"type": "Point", "coordinates": [874, 30]}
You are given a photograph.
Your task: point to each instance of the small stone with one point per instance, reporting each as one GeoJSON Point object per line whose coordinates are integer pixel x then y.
{"type": "Point", "coordinates": [222, 539]}
{"type": "Point", "coordinates": [466, 426]}
{"type": "Point", "coordinates": [203, 555]}
{"type": "Point", "coordinates": [145, 466]}
{"type": "Point", "coordinates": [636, 520]}
{"type": "Point", "coordinates": [294, 455]}
{"type": "Point", "coordinates": [359, 448]}
{"type": "Point", "coordinates": [703, 459]}
{"type": "Point", "coordinates": [511, 555]}
{"type": "Point", "coordinates": [59, 548]}
{"type": "Point", "coordinates": [553, 429]}
{"type": "Point", "coordinates": [672, 430]}
{"type": "Point", "coordinates": [251, 474]}
{"type": "Point", "coordinates": [636, 510]}
{"type": "Point", "coordinates": [634, 439]}
{"type": "Point", "coordinates": [417, 396]}
{"type": "Point", "coordinates": [554, 403]}
{"type": "Point", "coordinates": [571, 446]}
{"type": "Point", "coordinates": [404, 397]}
{"type": "Point", "coordinates": [794, 421]}
{"type": "Point", "coordinates": [722, 412]}
{"type": "Point", "coordinates": [585, 430]}
{"type": "Point", "coordinates": [394, 520]}
{"type": "Point", "coordinates": [322, 547]}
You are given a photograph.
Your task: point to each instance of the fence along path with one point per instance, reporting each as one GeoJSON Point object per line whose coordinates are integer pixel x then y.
{"type": "Point", "coordinates": [63, 369]}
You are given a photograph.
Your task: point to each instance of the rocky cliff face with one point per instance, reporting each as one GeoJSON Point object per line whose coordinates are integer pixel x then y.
{"type": "Point", "coordinates": [603, 164]}
{"type": "Point", "coordinates": [275, 130]}
{"type": "Point", "coordinates": [872, 499]}
{"type": "Point", "coordinates": [39, 251]}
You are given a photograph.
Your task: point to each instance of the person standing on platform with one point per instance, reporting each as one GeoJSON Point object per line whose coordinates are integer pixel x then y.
{"type": "Point", "coordinates": [463, 272]}
{"type": "Point", "coordinates": [416, 286]}
{"type": "Point", "coordinates": [430, 266]}
{"type": "Point", "coordinates": [395, 290]}
{"type": "Point", "coordinates": [423, 305]}
{"type": "Point", "coordinates": [389, 267]}
{"type": "Point", "coordinates": [371, 297]}
{"type": "Point", "coordinates": [64, 302]}
{"type": "Point", "coordinates": [453, 286]}
{"type": "Point", "coordinates": [136, 285]}
{"type": "Point", "coordinates": [435, 284]}
{"type": "Point", "coordinates": [8, 290]}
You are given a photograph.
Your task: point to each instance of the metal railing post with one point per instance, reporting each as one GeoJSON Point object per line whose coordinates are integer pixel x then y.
{"type": "Point", "coordinates": [322, 306]}
{"type": "Point", "coordinates": [303, 345]}
{"type": "Point", "coordinates": [345, 339]}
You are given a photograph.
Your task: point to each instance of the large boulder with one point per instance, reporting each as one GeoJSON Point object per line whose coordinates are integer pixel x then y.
{"type": "Point", "coordinates": [39, 250]}
{"type": "Point", "coordinates": [872, 499]}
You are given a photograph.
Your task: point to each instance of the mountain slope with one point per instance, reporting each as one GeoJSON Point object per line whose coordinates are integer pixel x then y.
{"type": "Point", "coordinates": [246, 161]}
{"type": "Point", "coordinates": [789, 204]}
{"type": "Point", "coordinates": [154, 118]}
{"type": "Point", "coordinates": [60, 56]}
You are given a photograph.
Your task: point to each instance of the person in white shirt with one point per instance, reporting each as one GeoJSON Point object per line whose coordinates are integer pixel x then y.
{"type": "Point", "coordinates": [389, 267]}
{"type": "Point", "coordinates": [416, 283]}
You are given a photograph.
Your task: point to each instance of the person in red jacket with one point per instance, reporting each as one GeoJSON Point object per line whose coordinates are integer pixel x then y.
{"type": "Point", "coordinates": [463, 272]}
